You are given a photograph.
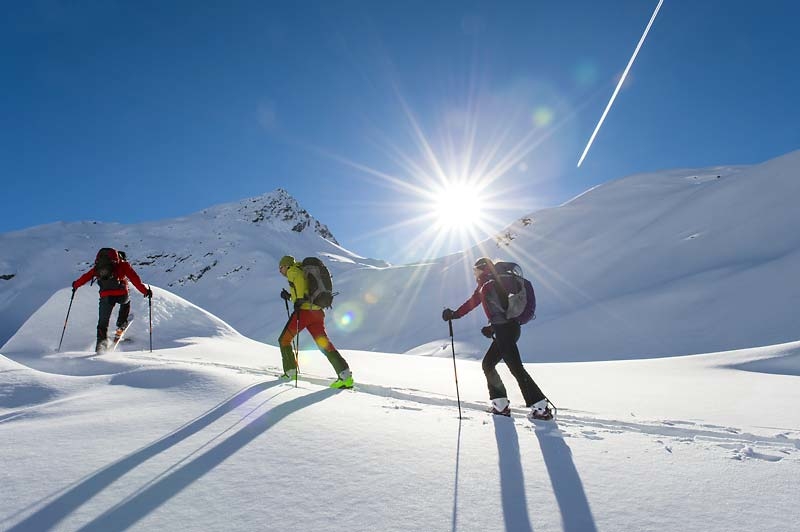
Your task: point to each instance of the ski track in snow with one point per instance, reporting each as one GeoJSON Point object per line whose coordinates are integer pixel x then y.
{"type": "Point", "coordinates": [569, 424]}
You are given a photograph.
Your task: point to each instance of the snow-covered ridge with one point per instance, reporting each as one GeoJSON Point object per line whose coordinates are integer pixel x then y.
{"type": "Point", "coordinates": [277, 209]}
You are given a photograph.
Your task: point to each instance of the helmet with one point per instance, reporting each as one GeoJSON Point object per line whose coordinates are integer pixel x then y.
{"type": "Point", "coordinates": [286, 260]}
{"type": "Point", "coordinates": [483, 263]}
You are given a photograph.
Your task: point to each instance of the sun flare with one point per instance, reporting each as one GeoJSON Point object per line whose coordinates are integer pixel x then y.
{"type": "Point", "coordinates": [458, 206]}
{"type": "Point", "coordinates": [457, 189]}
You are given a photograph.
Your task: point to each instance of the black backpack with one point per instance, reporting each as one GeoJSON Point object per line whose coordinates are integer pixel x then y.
{"type": "Point", "coordinates": [105, 269]}
{"type": "Point", "coordinates": [318, 282]}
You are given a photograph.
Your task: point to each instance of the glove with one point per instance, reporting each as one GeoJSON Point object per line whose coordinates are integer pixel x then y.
{"type": "Point", "coordinates": [149, 293]}
{"type": "Point", "coordinates": [74, 287]}
{"type": "Point", "coordinates": [298, 304]}
{"type": "Point", "coordinates": [285, 295]}
{"type": "Point", "coordinates": [487, 331]}
{"type": "Point", "coordinates": [449, 314]}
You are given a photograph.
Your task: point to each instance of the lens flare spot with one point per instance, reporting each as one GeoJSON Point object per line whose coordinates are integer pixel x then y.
{"type": "Point", "coordinates": [585, 74]}
{"type": "Point", "coordinates": [322, 342]}
{"type": "Point", "coordinates": [542, 117]}
{"type": "Point", "coordinates": [348, 317]}
{"type": "Point", "coordinates": [370, 298]}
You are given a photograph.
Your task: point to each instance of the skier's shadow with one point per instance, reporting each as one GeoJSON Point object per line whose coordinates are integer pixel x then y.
{"type": "Point", "coordinates": [512, 480]}
{"type": "Point", "coordinates": [71, 499]}
{"type": "Point", "coordinates": [135, 508]}
{"type": "Point", "coordinates": [455, 482]}
{"type": "Point", "coordinates": [576, 515]}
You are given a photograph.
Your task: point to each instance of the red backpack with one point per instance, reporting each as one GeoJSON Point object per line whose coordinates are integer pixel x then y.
{"type": "Point", "coordinates": [106, 269]}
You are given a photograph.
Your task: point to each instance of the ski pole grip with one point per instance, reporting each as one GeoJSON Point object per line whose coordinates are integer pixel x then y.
{"type": "Point", "coordinates": [450, 324]}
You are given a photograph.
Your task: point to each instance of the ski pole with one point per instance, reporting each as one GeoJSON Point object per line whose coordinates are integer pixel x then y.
{"type": "Point", "coordinates": [150, 306]}
{"type": "Point", "coordinates": [453, 347]}
{"type": "Point", "coordinates": [65, 321]}
{"type": "Point", "coordinates": [297, 349]}
{"type": "Point", "coordinates": [295, 342]}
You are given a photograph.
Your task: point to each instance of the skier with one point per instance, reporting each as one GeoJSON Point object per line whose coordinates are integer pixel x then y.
{"type": "Point", "coordinates": [112, 272]}
{"type": "Point", "coordinates": [504, 346]}
{"type": "Point", "coordinates": [306, 315]}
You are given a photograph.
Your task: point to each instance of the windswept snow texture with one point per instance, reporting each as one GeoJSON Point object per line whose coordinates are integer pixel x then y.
{"type": "Point", "coordinates": [202, 435]}
{"type": "Point", "coordinates": [651, 265]}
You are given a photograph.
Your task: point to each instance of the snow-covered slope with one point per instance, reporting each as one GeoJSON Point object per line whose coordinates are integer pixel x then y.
{"type": "Point", "coordinates": [660, 264]}
{"type": "Point", "coordinates": [200, 435]}
{"type": "Point", "coordinates": [650, 265]}
{"type": "Point", "coordinates": [667, 263]}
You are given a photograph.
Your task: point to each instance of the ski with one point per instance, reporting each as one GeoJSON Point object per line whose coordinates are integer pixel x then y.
{"type": "Point", "coordinates": [118, 336]}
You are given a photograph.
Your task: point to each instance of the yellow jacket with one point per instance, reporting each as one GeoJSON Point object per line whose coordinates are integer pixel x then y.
{"type": "Point", "coordinates": [298, 288]}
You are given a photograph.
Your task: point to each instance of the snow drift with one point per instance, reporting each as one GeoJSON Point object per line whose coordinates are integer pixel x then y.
{"type": "Point", "coordinates": [175, 323]}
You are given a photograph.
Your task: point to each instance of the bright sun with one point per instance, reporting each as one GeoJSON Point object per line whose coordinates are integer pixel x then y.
{"type": "Point", "coordinates": [459, 206]}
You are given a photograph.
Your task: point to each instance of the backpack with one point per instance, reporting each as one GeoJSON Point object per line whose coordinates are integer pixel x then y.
{"type": "Point", "coordinates": [105, 264]}
{"type": "Point", "coordinates": [105, 269]}
{"type": "Point", "coordinates": [516, 292]}
{"type": "Point", "coordinates": [318, 282]}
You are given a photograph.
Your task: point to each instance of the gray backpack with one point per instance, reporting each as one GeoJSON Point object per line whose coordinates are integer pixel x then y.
{"type": "Point", "coordinates": [318, 281]}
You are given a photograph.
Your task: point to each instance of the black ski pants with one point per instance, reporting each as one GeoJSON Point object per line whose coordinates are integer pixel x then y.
{"type": "Point", "coordinates": [504, 347]}
{"type": "Point", "coordinates": [106, 306]}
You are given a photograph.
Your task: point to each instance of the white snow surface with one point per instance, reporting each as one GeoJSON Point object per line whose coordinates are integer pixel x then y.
{"type": "Point", "coordinates": [666, 335]}
{"type": "Point", "coordinates": [199, 434]}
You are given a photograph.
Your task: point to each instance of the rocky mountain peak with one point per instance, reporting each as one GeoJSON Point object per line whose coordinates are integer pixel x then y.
{"type": "Point", "coordinates": [279, 206]}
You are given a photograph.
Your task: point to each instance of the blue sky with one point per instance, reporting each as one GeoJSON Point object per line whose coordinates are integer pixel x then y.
{"type": "Point", "coordinates": [137, 111]}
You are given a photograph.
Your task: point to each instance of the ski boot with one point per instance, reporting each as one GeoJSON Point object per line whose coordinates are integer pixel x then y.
{"type": "Point", "coordinates": [345, 380]}
{"type": "Point", "coordinates": [541, 411]}
{"type": "Point", "coordinates": [500, 407]}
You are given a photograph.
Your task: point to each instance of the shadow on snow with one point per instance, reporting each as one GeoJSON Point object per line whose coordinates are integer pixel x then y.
{"type": "Point", "coordinates": [576, 515]}
{"type": "Point", "coordinates": [137, 507]}
{"type": "Point", "coordinates": [512, 479]}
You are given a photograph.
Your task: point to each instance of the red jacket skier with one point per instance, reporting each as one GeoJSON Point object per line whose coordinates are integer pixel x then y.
{"type": "Point", "coordinates": [112, 273]}
{"type": "Point", "coordinates": [504, 333]}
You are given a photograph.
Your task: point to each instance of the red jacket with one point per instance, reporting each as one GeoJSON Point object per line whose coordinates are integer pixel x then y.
{"type": "Point", "coordinates": [123, 272]}
{"type": "Point", "coordinates": [486, 295]}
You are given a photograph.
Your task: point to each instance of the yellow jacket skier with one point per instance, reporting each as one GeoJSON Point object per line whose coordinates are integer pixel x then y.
{"type": "Point", "coordinates": [309, 316]}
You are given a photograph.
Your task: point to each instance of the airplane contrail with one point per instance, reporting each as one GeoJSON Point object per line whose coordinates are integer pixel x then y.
{"type": "Point", "coordinates": [621, 81]}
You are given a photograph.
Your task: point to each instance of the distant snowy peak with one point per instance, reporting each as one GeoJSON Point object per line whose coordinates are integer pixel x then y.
{"type": "Point", "coordinates": [278, 209]}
